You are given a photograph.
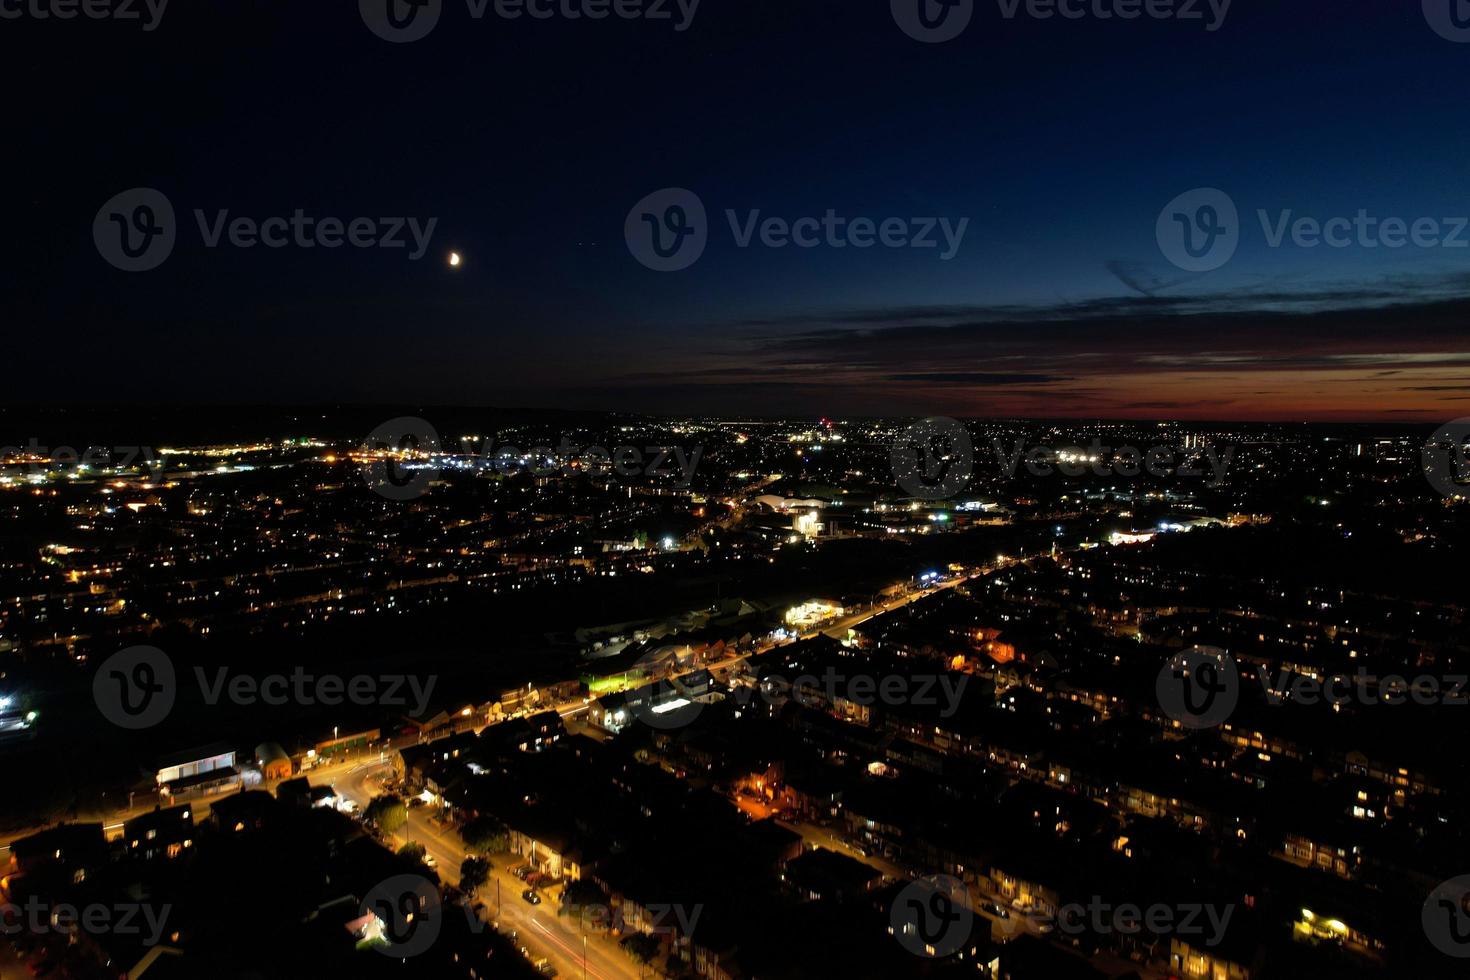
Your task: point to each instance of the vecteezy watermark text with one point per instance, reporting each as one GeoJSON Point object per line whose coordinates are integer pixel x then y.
{"type": "Point", "coordinates": [403, 916]}
{"type": "Point", "coordinates": [814, 690]}
{"type": "Point", "coordinates": [668, 231]}
{"type": "Point", "coordinates": [38, 460]}
{"type": "Point", "coordinates": [1362, 230]}
{"type": "Point", "coordinates": [568, 457]}
{"type": "Point", "coordinates": [1188, 919]}
{"type": "Point", "coordinates": [1362, 687]}
{"type": "Point", "coordinates": [1125, 461]}
{"type": "Point", "coordinates": [1201, 687]}
{"type": "Point", "coordinates": [402, 457]}
{"type": "Point", "coordinates": [1200, 230]}
{"type": "Point", "coordinates": [136, 230]}
{"type": "Point", "coordinates": [302, 688]}
{"type": "Point", "coordinates": [834, 231]}
{"type": "Point", "coordinates": [137, 688]}
{"type": "Point", "coordinates": [655, 918]}
{"type": "Point", "coordinates": [38, 917]}
{"type": "Point", "coordinates": [403, 21]}
{"type": "Point", "coordinates": [149, 13]}
{"type": "Point", "coordinates": [936, 21]}
{"type": "Point", "coordinates": [1211, 13]}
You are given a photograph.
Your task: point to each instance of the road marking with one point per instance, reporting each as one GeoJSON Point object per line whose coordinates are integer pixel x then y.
{"type": "Point", "coordinates": [572, 953]}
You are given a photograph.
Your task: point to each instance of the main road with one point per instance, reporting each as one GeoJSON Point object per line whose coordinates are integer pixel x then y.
{"type": "Point", "coordinates": [537, 928]}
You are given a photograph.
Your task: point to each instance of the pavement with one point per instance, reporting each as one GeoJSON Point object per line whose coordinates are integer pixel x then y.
{"type": "Point", "coordinates": [536, 927]}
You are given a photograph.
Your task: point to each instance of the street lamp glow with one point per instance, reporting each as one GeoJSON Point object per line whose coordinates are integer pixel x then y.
{"type": "Point", "coordinates": [454, 260]}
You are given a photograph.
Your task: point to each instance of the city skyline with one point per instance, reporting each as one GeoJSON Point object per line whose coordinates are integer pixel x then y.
{"type": "Point", "coordinates": [926, 697]}
{"type": "Point", "coordinates": [735, 490]}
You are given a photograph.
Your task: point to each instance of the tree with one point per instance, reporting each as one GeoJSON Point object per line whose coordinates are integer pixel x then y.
{"type": "Point", "coordinates": [582, 896]}
{"type": "Point", "coordinates": [583, 892]}
{"type": "Point", "coordinates": [485, 835]}
{"type": "Point", "coordinates": [641, 946]}
{"type": "Point", "coordinates": [473, 872]}
{"type": "Point", "coordinates": [387, 813]}
{"type": "Point", "coordinates": [413, 849]}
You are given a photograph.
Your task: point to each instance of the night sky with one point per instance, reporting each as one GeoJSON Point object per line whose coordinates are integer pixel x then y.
{"type": "Point", "coordinates": [1060, 141]}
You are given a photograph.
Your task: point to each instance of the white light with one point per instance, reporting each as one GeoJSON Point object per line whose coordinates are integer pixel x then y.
{"type": "Point", "coordinates": [454, 260]}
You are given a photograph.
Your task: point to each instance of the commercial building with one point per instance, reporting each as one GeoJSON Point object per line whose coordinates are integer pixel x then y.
{"type": "Point", "coordinates": [614, 712]}
{"type": "Point", "coordinates": [273, 761]}
{"type": "Point", "coordinates": [201, 771]}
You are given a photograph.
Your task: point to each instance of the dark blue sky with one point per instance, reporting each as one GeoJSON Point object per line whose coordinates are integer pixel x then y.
{"type": "Point", "coordinates": [530, 141]}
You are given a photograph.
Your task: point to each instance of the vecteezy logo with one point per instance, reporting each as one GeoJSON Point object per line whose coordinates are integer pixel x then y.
{"type": "Point", "coordinates": [135, 230]}
{"type": "Point", "coordinates": [667, 703]}
{"type": "Point", "coordinates": [401, 463]}
{"type": "Point", "coordinates": [1199, 230]}
{"type": "Point", "coordinates": [1199, 687]}
{"type": "Point", "coordinates": [932, 916]}
{"type": "Point", "coordinates": [400, 21]}
{"type": "Point", "coordinates": [135, 688]}
{"type": "Point", "coordinates": [667, 230]}
{"type": "Point", "coordinates": [932, 21]}
{"type": "Point", "coordinates": [406, 911]}
{"type": "Point", "coordinates": [933, 459]}
{"type": "Point", "coordinates": [1450, 19]}
{"type": "Point", "coordinates": [1444, 457]}
{"type": "Point", "coordinates": [1446, 917]}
